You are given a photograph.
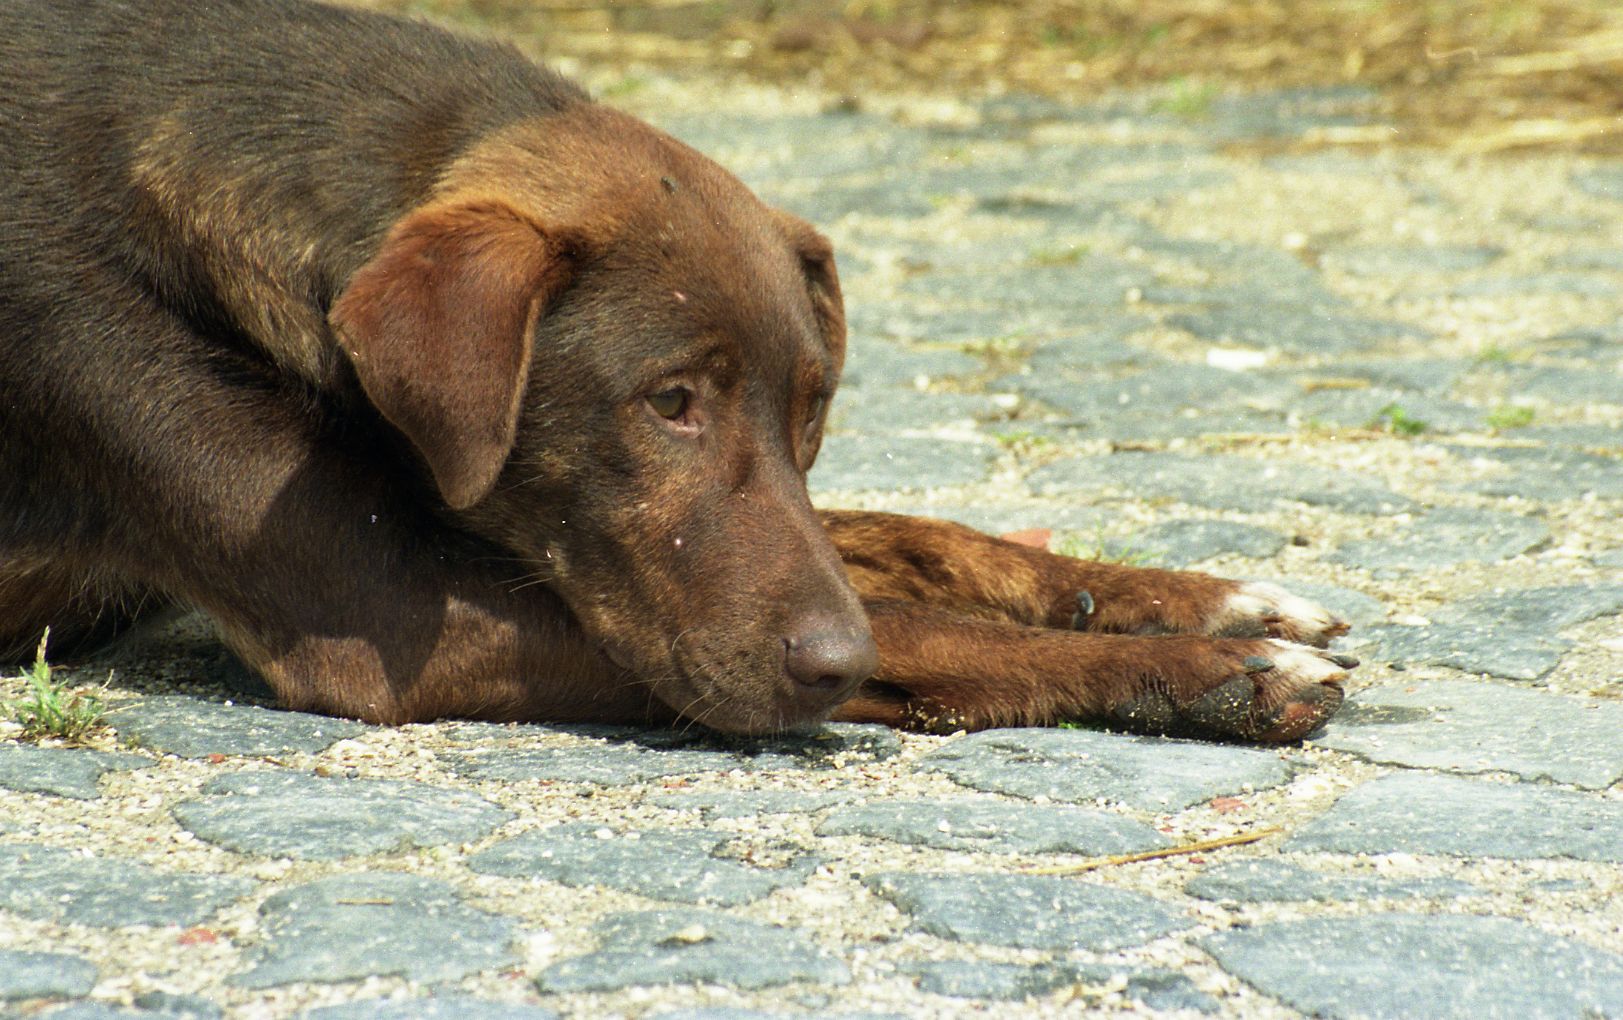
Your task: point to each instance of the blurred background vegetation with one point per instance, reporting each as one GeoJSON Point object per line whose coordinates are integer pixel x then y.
{"type": "Point", "coordinates": [1480, 74]}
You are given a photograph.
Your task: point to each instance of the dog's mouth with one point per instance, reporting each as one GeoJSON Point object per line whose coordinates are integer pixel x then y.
{"type": "Point", "coordinates": [740, 689]}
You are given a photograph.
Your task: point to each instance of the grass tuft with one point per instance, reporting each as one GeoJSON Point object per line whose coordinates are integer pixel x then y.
{"type": "Point", "coordinates": [1510, 416]}
{"type": "Point", "coordinates": [1394, 419]}
{"type": "Point", "coordinates": [49, 708]}
{"type": "Point", "coordinates": [1103, 551]}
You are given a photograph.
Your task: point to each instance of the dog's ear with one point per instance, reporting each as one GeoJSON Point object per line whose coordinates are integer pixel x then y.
{"type": "Point", "coordinates": [817, 262]}
{"type": "Point", "coordinates": [438, 328]}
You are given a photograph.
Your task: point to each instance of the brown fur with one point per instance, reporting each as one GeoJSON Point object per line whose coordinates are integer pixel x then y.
{"type": "Point", "coordinates": [354, 336]}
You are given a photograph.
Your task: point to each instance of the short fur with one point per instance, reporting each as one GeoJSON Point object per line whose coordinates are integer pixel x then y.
{"type": "Point", "coordinates": [355, 335]}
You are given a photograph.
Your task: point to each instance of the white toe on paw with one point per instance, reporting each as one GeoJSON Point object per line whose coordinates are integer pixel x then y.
{"type": "Point", "coordinates": [1278, 612]}
{"type": "Point", "coordinates": [1299, 662]}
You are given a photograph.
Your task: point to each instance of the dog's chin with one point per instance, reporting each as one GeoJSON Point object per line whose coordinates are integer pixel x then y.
{"type": "Point", "coordinates": [735, 709]}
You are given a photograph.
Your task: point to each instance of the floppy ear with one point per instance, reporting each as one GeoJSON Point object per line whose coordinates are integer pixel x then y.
{"type": "Point", "coordinates": [438, 328]}
{"type": "Point", "coordinates": [817, 262]}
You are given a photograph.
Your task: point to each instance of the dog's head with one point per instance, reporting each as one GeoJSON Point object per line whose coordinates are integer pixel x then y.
{"type": "Point", "coordinates": [616, 362]}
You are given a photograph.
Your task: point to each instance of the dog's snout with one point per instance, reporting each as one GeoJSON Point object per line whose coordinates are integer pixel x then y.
{"type": "Point", "coordinates": [826, 660]}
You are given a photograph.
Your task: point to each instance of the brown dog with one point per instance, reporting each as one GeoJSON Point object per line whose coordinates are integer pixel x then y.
{"type": "Point", "coordinates": [445, 391]}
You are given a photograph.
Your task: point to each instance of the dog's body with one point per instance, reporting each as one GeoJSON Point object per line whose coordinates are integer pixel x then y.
{"type": "Point", "coordinates": [445, 391]}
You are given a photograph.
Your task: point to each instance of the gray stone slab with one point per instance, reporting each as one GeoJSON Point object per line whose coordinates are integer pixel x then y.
{"type": "Point", "coordinates": [1166, 391]}
{"type": "Point", "coordinates": [998, 519]}
{"type": "Point", "coordinates": [295, 814]}
{"type": "Point", "coordinates": [1412, 967]}
{"type": "Point", "coordinates": [85, 1009]}
{"type": "Point", "coordinates": [1564, 385]}
{"type": "Point", "coordinates": [1091, 349]}
{"type": "Point", "coordinates": [193, 728]}
{"type": "Point", "coordinates": [1088, 282]}
{"type": "Point", "coordinates": [1147, 425]}
{"type": "Point", "coordinates": [1161, 989]}
{"type": "Point", "coordinates": [1027, 911]}
{"type": "Point", "coordinates": [1540, 475]}
{"type": "Point", "coordinates": [1605, 181]}
{"type": "Point", "coordinates": [1271, 880]}
{"type": "Point", "coordinates": [895, 410]}
{"type": "Point", "coordinates": [687, 866]}
{"type": "Point", "coordinates": [829, 203]}
{"type": "Point", "coordinates": [1597, 437]}
{"type": "Point", "coordinates": [1181, 543]}
{"type": "Point", "coordinates": [993, 826]}
{"type": "Point", "coordinates": [59, 885]}
{"type": "Point", "coordinates": [979, 979]}
{"type": "Point", "coordinates": [1284, 113]}
{"type": "Point", "coordinates": [777, 146]}
{"type": "Point", "coordinates": [831, 745]}
{"type": "Point", "coordinates": [858, 463]}
{"type": "Point", "coordinates": [440, 1007]}
{"type": "Point", "coordinates": [1165, 182]}
{"type": "Point", "coordinates": [371, 924]}
{"type": "Point", "coordinates": [1083, 766]}
{"type": "Point", "coordinates": [1519, 285]}
{"type": "Point", "coordinates": [976, 979]}
{"type": "Point", "coordinates": [1445, 537]}
{"type": "Point", "coordinates": [891, 321]}
{"type": "Point", "coordinates": [61, 771]}
{"type": "Point", "coordinates": [665, 947]}
{"type": "Point", "coordinates": [1420, 813]}
{"type": "Point", "coordinates": [1407, 260]}
{"type": "Point", "coordinates": [749, 803]}
{"type": "Point", "coordinates": [1257, 271]}
{"type": "Point", "coordinates": [1475, 646]}
{"type": "Point", "coordinates": [1223, 482]}
{"type": "Point", "coordinates": [1552, 607]}
{"type": "Point", "coordinates": [813, 999]}
{"type": "Point", "coordinates": [1377, 406]}
{"type": "Point", "coordinates": [1306, 329]}
{"type": "Point", "coordinates": [176, 1006]}
{"type": "Point", "coordinates": [622, 756]}
{"type": "Point", "coordinates": [1477, 727]}
{"type": "Point", "coordinates": [1608, 259]}
{"type": "Point", "coordinates": [25, 975]}
{"type": "Point", "coordinates": [884, 365]}
{"type": "Point", "coordinates": [620, 764]}
{"type": "Point", "coordinates": [1434, 376]}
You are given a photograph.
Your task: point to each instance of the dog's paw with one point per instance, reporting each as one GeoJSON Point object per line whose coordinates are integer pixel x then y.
{"type": "Point", "coordinates": [1269, 691]}
{"type": "Point", "coordinates": [1262, 609]}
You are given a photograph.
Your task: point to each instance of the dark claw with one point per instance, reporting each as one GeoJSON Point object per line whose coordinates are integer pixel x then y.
{"type": "Point", "coordinates": [1344, 661]}
{"type": "Point", "coordinates": [1254, 664]}
{"type": "Point", "coordinates": [1084, 609]}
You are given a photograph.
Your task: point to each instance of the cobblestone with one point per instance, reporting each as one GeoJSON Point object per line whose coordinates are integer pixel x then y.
{"type": "Point", "coordinates": [1392, 380]}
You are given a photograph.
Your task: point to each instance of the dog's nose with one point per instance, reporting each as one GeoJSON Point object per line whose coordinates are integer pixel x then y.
{"type": "Point", "coordinates": [826, 661]}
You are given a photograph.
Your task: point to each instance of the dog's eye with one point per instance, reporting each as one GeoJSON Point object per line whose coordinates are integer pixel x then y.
{"type": "Point", "coordinates": [815, 411]}
{"type": "Point", "coordinates": [670, 404]}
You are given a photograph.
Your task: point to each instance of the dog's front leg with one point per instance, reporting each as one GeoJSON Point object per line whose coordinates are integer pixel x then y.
{"type": "Point", "coordinates": [942, 671]}
{"type": "Point", "coordinates": [943, 564]}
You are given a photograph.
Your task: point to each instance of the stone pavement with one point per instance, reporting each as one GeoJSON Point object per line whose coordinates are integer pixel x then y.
{"type": "Point", "coordinates": [1393, 378]}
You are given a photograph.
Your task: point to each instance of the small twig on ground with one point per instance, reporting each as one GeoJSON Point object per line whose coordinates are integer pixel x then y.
{"type": "Point", "coordinates": [1150, 855]}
